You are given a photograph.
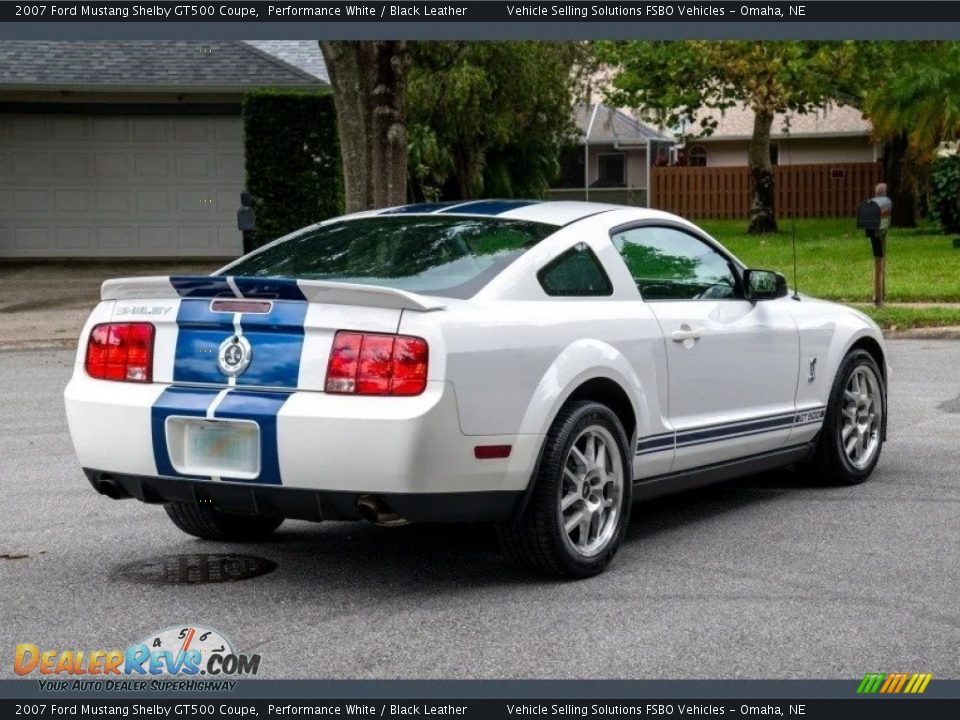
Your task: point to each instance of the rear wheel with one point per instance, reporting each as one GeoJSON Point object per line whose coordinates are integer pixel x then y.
{"type": "Point", "coordinates": [579, 508]}
{"type": "Point", "coordinates": [211, 524]}
{"type": "Point", "coordinates": [852, 435]}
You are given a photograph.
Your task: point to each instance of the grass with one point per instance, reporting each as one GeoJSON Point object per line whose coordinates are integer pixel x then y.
{"type": "Point", "coordinates": [834, 262]}
{"type": "Point", "coordinates": [902, 317]}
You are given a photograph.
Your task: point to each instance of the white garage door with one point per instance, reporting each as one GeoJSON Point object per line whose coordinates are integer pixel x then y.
{"type": "Point", "coordinates": [120, 186]}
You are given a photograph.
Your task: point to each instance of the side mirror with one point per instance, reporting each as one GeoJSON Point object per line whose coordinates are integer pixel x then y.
{"type": "Point", "coordinates": [764, 285]}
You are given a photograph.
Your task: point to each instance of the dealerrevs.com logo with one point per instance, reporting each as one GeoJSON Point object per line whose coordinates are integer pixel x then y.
{"type": "Point", "coordinates": [177, 652]}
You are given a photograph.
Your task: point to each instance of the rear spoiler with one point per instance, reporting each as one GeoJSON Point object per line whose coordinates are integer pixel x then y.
{"type": "Point", "coordinates": [213, 286]}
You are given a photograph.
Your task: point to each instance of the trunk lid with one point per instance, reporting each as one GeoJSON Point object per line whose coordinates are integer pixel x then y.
{"type": "Point", "coordinates": [253, 332]}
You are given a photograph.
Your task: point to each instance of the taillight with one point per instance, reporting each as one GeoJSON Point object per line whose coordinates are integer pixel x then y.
{"type": "Point", "coordinates": [377, 364]}
{"type": "Point", "coordinates": [120, 351]}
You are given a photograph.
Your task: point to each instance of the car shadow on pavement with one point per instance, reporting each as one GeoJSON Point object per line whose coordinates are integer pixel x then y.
{"type": "Point", "coordinates": [451, 557]}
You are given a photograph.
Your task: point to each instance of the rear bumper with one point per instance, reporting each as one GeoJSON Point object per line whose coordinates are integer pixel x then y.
{"type": "Point", "coordinates": [314, 442]}
{"type": "Point", "coordinates": [303, 504]}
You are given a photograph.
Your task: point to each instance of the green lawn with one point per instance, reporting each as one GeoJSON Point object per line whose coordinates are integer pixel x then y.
{"type": "Point", "coordinates": [901, 317]}
{"type": "Point", "coordinates": [835, 262]}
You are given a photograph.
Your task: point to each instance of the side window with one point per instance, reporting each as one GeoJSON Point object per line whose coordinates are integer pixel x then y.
{"type": "Point", "coordinates": [669, 264]}
{"type": "Point", "coordinates": [575, 273]}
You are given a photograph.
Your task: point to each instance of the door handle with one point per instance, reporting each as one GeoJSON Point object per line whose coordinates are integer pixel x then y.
{"type": "Point", "coordinates": [685, 333]}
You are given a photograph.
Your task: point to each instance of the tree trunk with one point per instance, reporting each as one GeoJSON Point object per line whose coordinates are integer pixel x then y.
{"type": "Point", "coordinates": [898, 174]}
{"type": "Point", "coordinates": [369, 90]}
{"type": "Point", "coordinates": [763, 218]}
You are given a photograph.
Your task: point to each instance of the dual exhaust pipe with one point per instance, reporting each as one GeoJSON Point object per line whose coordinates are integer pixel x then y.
{"type": "Point", "coordinates": [373, 509]}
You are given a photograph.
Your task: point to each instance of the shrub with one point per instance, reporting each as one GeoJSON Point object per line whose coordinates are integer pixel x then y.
{"type": "Point", "coordinates": [945, 193]}
{"type": "Point", "coordinates": [293, 160]}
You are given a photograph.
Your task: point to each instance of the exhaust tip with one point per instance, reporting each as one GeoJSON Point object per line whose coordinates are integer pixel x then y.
{"type": "Point", "coordinates": [376, 511]}
{"type": "Point", "coordinates": [108, 488]}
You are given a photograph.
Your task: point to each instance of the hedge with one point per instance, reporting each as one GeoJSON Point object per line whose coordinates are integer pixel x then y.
{"type": "Point", "coordinates": [293, 160]}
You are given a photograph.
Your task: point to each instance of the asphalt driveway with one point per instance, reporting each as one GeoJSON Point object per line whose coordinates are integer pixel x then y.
{"type": "Point", "coordinates": [775, 576]}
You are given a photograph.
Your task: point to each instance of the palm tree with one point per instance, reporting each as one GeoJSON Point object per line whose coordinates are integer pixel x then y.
{"type": "Point", "coordinates": [913, 110]}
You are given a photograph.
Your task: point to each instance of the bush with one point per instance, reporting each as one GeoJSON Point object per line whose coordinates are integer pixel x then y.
{"type": "Point", "coordinates": [945, 193]}
{"type": "Point", "coordinates": [293, 160]}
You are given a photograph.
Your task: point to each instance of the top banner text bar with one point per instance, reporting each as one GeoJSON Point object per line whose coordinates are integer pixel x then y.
{"type": "Point", "coordinates": [487, 11]}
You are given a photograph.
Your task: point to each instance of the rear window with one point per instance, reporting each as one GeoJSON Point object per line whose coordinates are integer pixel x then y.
{"type": "Point", "coordinates": [448, 256]}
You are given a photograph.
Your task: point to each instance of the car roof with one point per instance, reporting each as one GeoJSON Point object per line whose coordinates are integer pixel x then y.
{"type": "Point", "coordinates": [548, 212]}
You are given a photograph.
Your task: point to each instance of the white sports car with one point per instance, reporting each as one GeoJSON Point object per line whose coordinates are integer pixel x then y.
{"type": "Point", "coordinates": [540, 365]}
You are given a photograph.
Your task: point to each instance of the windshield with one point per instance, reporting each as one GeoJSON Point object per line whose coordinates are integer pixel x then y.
{"type": "Point", "coordinates": [449, 256]}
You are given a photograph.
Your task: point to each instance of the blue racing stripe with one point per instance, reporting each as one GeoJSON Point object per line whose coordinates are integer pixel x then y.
{"type": "Point", "coordinates": [488, 207]}
{"type": "Point", "coordinates": [276, 338]}
{"type": "Point", "coordinates": [189, 402]}
{"type": "Point", "coordinates": [210, 286]}
{"type": "Point", "coordinates": [261, 407]}
{"type": "Point", "coordinates": [421, 208]}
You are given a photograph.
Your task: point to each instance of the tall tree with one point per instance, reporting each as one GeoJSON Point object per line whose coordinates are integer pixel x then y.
{"type": "Point", "coordinates": [693, 81]}
{"type": "Point", "coordinates": [490, 118]}
{"type": "Point", "coordinates": [914, 110]}
{"type": "Point", "coordinates": [369, 81]}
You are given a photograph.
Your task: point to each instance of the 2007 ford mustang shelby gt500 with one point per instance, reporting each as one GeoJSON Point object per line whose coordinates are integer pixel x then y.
{"type": "Point", "coordinates": [538, 365]}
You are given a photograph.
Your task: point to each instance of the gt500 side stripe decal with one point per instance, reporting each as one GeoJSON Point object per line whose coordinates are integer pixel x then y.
{"type": "Point", "coordinates": [726, 431]}
{"type": "Point", "coordinates": [261, 407]}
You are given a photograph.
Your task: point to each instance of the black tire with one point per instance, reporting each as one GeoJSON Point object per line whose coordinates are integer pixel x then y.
{"type": "Point", "coordinates": [830, 462]}
{"type": "Point", "coordinates": [536, 539]}
{"type": "Point", "coordinates": [209, 523]}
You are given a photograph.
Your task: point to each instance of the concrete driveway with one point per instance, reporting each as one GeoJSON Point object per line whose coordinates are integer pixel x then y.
{"type": "Point", "coordinates": [46, 304]}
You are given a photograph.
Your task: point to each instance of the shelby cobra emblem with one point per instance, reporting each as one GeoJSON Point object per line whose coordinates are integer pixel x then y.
{"type": "Point", "coordinates": [235, 355]}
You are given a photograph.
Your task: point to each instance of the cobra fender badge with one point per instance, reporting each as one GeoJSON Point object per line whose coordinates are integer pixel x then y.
{"type": "Point", "coordinates": [235, 355]}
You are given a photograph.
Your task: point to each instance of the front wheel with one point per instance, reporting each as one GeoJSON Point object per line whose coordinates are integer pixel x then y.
{"type": "Point", "coordinates": [852, 435]}
{"type": "Point", "coordinates": [209, 523]}
{"type": "Point", "coordinates": [579, 508]}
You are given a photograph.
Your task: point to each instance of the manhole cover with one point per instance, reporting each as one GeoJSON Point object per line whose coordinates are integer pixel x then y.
{"type": "Point", "coordinates": [199, 569]}
{"type": "Point", "coordinates": [951, 406]}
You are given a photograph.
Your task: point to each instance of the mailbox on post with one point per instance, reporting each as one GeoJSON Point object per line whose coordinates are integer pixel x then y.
{"type": "Point", "coordinates": [246, 220]}
{"type": "Point", "coordinates": [873, 217]}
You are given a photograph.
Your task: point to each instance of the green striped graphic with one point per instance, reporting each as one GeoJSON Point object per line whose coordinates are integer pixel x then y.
{"type": "Point", "coordinates": [870, 683]}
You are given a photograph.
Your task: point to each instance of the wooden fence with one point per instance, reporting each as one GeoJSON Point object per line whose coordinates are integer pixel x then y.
{"type": "Point", "coordinates": [802, 190]}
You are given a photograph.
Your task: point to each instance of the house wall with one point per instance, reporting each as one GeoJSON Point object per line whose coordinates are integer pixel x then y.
{"type": "Point", "coordinates": [636, 166]}
{"type": "Point", "coordinates": [797, 151]}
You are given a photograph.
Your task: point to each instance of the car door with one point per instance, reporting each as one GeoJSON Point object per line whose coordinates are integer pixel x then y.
{"type": "Point", "coordinates": [732, 363]}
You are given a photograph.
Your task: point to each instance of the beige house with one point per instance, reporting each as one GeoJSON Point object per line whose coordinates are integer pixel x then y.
{"type": "Point", "coordinates": [612, 157]}
{"type": "Point", "coordinates": [832, 134]}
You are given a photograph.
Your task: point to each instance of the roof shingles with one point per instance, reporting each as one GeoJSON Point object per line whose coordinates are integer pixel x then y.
{"type": "Point", "coordinates": [144, 64]}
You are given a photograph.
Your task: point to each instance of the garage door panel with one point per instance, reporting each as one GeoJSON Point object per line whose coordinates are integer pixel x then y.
{"type": "Point", "coordinates": [195, 240]}
{"type": "Point", "coordinates": [26, 238]}
{"type": "Point", "coordinates": [73, 128]}
{"type": "Point", "coordinates": [230, 165]}
{"type": "Point", "coordinates": [151, 129]}
{"type": "Point", "coordinates": [72, 167]}
{"type": "Point", "coordinates": [112, 202]}
{"type": "Point", "coordinates": [75, 239]}
{"type": "Point", "coordinates": [31, 165]}
{"type": "Point", "coordinates": [107, 129]}
{"type": "Point", "coordinates": [22, 128]}
{"type": "Point", "coordinates": [149, 166]}
{"type": "Point", "coordinates": [156, 240]}
{"type": "Point", "coordinates": [193, 129]}
{"type": "Point", "coordinates": [151, 202]}
{"type": "Point", "coordinates": [31, 202]}
{"type": "Point", "coordinates": [70, 202]}
{"type": "Point", "coordinates": [109, 166]}
{"type": "Point", "coordinates": [120, 240]}
{"type": "Point", "coordinates": [133, 185]}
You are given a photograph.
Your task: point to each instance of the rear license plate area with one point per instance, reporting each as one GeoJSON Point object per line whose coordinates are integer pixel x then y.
{"type": "Point", "coordinates": [216, 448]}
